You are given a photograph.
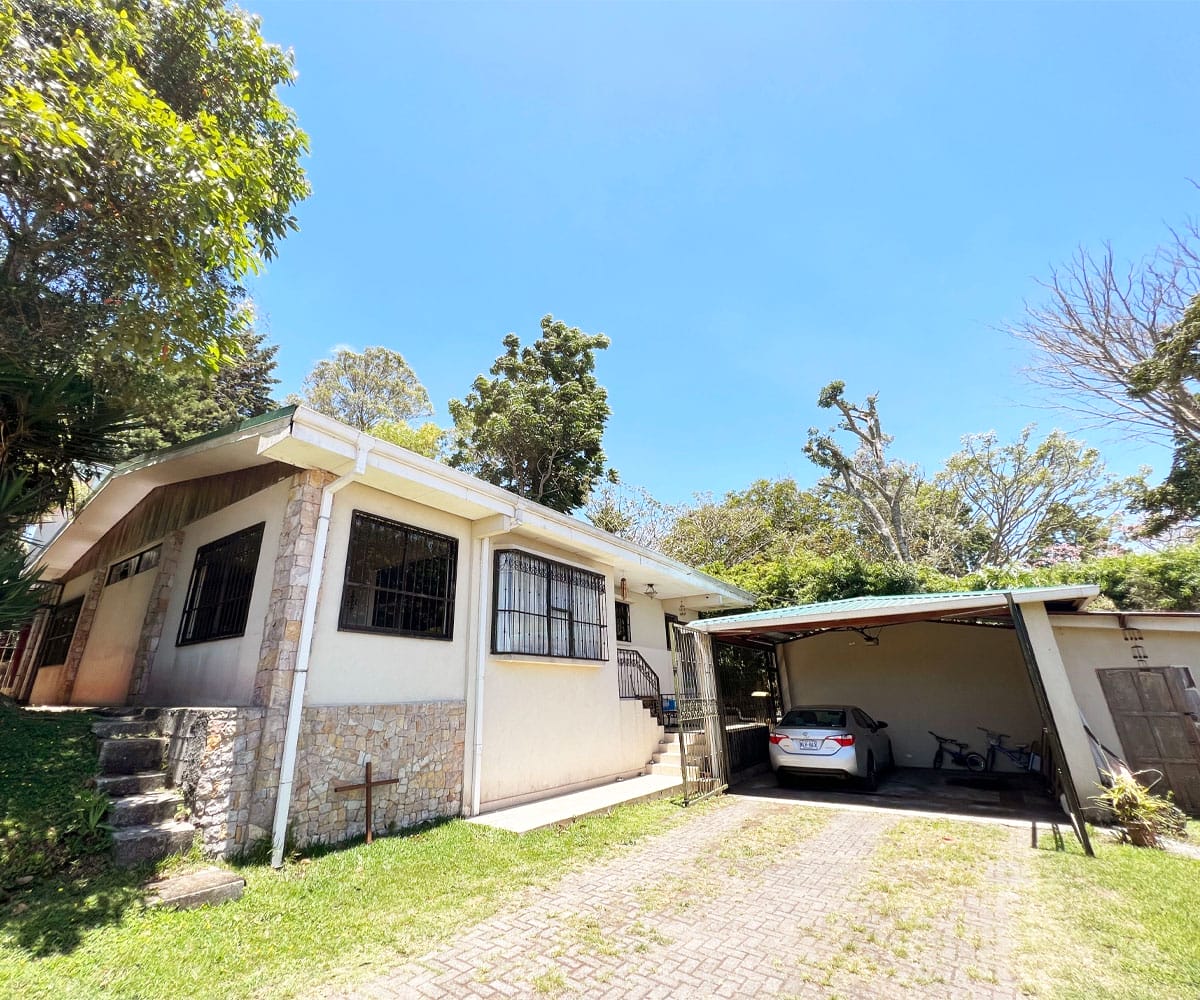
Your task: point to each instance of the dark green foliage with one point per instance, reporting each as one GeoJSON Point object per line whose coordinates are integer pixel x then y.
{"type": "Point", "coordinates": [536, 426]}
{"type": "Point", "coordinates": [177, 404]}
{"type": "Point", "coordinates": [1166, 581]}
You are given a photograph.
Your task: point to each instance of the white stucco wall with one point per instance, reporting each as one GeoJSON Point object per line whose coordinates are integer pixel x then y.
{"type": "Point", "coordinates": [1100, 645]}
{"type": "Point", "coordinates": [355, 668]}
{"type": "Point", "coordinates": [220, 672]}
{"type": "Point", "coordinates": [922, 676]}
{"type": "Point", "coordinates": [554, 724]}
{"type": "Point", "coordinates": [103, 677]}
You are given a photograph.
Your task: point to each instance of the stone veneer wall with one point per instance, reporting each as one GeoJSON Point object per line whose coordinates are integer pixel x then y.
{"type": "Point", "coordinates": [212, 758]}
{"type": "Point", "coordinates": [421, 743]}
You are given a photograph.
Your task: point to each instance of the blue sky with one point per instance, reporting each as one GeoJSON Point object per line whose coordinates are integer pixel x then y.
{"type": "Point", "coordinates": [750, 200]}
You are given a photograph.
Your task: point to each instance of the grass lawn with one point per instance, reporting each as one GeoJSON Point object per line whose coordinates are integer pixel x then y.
{"type": "Point", "coordinates": [45, 761]}
{"type": "Point", "coordinates": [356, 911]}
{"type": "Point", "coordinates": [1124, 925]}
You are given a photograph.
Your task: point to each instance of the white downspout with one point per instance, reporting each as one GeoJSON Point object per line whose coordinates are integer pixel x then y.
{"type": "Point", "coordinates": [482, 648]}
{"type": "Point", "coordinates": [308, 616]}
{"type": "Point", "coordinates": [485, 532]}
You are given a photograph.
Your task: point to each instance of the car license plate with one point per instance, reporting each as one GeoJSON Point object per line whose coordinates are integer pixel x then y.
{"type": "Point", "coordinates": [807, 744]}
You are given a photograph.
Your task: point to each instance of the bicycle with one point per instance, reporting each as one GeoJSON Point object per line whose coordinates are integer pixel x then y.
{"type": "Point", "coordinates": [963, 757]}
{"type": "Point", "coordinates": [1019, 755]}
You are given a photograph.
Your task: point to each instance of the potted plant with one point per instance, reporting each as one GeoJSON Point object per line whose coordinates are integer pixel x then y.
{"type": "Point", "coordinates": [1144, 817]}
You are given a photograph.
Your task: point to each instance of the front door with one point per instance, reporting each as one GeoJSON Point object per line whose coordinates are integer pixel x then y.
{"type": "Point", "coordinates": [1149, 710]}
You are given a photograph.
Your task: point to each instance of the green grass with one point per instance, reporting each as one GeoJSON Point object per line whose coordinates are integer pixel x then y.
{"type": "Point", "coordinates": [1125, 924]}
{"type": "Point", "coordinates": [46, 759]}
{"type": "Point", "coordinates": [335, 917]}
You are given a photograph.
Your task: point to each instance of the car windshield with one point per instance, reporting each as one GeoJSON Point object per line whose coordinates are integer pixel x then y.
{"type": "Point", "coordinates": [815, 718]}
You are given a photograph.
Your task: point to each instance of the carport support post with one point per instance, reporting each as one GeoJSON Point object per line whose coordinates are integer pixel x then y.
{"type": "Point", "coordinates": [1056, 701]}
{"type": "Point", "coordinates": [781, 668]}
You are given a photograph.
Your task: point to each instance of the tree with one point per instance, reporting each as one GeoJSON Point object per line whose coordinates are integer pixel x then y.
{"type": "Point", "coordinates": [1102, 321]}
{"type": "Point", "coordinates": [428, 439]}
{"type": "Point", "coordinates": [632, 513]}
{"type": "Point", "coordinates": [58, 429]}
{"type": "Point", "coordinates": [879, 486]}
{"type": "Point", "coordinates": [367, 389]}
{"type": "Point", "coordinates": [1034, 497]}
{"type": "Point", "coordinates": [536, 426]}
{"type": "Point", "coordinates": [147, 167]}
{"type": "Point", "coordinates": [177, 404]}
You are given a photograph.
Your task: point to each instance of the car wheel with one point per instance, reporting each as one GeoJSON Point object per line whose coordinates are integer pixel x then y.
{"type": "Point", "coordinates": [870, 781]}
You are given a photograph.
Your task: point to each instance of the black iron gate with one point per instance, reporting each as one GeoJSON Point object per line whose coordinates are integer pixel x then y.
{"type": "Point", "coordinates": [701, 728]}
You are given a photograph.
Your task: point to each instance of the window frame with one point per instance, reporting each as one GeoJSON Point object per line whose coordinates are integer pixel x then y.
{"type": "Point", "coordinates": [140, 562]}
{"type": "Point", "coordinates": [49, 638]}
{"type": "Point", "coordinates": [622, 623]}
{"type": "Point", "coordinates": [547, 619]}
{"type": "Point", "coordinates": [193, 592]}
{"type": "Point", "coordinates": [449, 597]}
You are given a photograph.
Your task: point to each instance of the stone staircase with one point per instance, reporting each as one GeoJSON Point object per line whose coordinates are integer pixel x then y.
{"type": "Point", "coordinates": [133, 772]}
{"type": "Point", "coordinates": [668, 760]}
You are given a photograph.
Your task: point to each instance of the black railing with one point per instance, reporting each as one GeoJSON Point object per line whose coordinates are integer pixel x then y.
{"type": "Point", "coordinates": [637, 679]}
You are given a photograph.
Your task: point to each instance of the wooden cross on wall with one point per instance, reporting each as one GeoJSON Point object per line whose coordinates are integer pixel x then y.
{"type": "Point", "coordinates": [368, 784]}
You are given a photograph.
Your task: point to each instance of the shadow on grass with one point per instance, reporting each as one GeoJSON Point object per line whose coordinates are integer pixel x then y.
{"type": "Point", "coordinates": [259, 855]}
{"type": "Point", "coordinates": [60, 910]}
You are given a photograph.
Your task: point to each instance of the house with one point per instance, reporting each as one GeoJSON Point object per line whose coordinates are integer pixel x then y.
{"type": "Point", "coordinates": [301, 597]}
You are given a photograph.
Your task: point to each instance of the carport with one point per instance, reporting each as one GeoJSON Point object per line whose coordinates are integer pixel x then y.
{"type": "Point", "coordinates": [947, 663]}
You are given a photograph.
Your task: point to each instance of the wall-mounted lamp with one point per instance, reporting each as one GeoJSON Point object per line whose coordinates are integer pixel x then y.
{"type": "Point", "coordinates": [624, 589]}
{"type": "Point", "coordinates": [650, 592]}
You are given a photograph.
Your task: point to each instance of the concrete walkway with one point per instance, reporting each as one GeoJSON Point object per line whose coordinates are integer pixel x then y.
{"type": "Point", "coordinates": [589, 802]}
{"type": "Point", "coordinates": [747, 898]}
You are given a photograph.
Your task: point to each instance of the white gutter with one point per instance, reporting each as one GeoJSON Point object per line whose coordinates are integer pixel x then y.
{"type": "Point", "coordinates": [484, 531]}
{"type": "Point", "coordinates": [308, 617]}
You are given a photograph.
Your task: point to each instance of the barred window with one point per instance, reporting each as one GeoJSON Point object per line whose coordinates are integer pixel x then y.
{"type": "Point", "coordinates": [218, 595]}
{"type": "Point", "coordinates": [399, 579]}
{"type": "Point", "coordinates": [547, 608]}
{"type": "Point", "coordinates": [60, 628]}
{"type": "Point", "coordinates": [624, 632]}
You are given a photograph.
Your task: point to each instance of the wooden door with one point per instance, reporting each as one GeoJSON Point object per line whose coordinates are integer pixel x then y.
{"type": "Point", "coordinates": [1149, 711]}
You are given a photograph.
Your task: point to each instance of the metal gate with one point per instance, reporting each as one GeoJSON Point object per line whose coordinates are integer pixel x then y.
{"type": "Point", "coordinates": [701, 729]}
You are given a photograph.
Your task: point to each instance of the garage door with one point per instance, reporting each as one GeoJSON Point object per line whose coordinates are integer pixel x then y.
{"type": "Point", "coordinates": [1150, 713]}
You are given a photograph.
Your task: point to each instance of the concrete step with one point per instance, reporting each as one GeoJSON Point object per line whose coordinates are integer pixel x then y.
{"type": "Point", "coordinates": [133, 845]}
{"type": "Point", "coordinates": [130, 754]}
{"type": "Point", "coordinates": [673, 769]}
{"type": "Point", "coordinates": [125, 712]}
{"type": "Point", "coordinates": [674, 758]}
{"type": "Point", "coordinates": [145, 809]}
{"type": "Point", "coordinates": [208, 886]}
{"type": "Point", "coordinates": [117, 785]}
{"type": "Point", "coordinates": [117, 728]}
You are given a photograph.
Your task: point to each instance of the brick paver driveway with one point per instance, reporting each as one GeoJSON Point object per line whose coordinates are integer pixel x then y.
{"type": "Point", "coordinates": [750, 898]}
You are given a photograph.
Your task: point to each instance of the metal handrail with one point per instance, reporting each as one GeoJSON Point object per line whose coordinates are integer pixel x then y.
{"type": "Point", "coordinates": [637, 679]}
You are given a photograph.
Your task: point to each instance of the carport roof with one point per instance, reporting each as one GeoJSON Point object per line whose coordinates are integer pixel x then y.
{"type": "Point", "coordinates": [780, 624]}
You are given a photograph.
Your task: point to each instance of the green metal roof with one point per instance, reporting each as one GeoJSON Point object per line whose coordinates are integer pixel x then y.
{"type": "Point", "coordinates": [850, 605]}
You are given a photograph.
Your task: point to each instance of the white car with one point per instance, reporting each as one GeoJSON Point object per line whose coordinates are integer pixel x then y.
{"type": "Point", "coordinates": [830, 740]}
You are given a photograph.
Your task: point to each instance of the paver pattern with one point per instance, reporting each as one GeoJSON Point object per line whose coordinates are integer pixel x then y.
{"type": "Point", "coordinates": [754, 898]}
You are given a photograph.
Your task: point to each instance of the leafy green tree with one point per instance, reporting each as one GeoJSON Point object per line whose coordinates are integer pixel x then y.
{"type": "Point", "coordinates": [1173, 372]}
{"type": "Point", "coordinates": [148, 166]}
{"type": "Point", "coordinates": [366, 389]}
{"type": "Point", "coordinates": [427, 439]}
{"type": "Point", "coordinates": [177, 404]}
{"type": "Point", "coordinates": [1033, 496]}
{"type": "Point", "coordinates": [536, 426]}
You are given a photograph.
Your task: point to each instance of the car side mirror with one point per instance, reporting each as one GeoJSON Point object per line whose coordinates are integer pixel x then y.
{"type": "Point", "coordinates": [880, 725]}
